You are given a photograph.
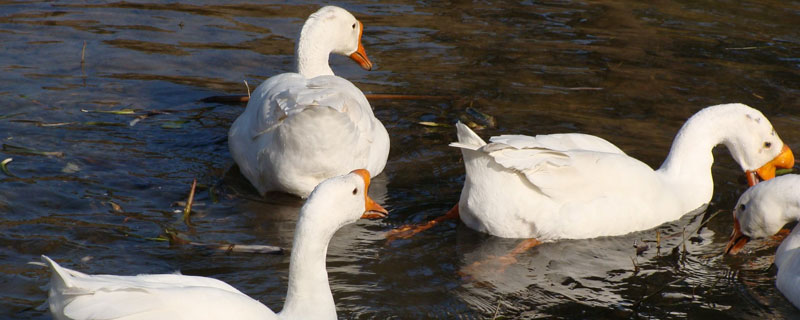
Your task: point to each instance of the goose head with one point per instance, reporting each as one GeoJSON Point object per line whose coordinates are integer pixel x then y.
{"type": "Point", "coordinates": [755, 145]}
{"type": "Point", "coordinates": [764, 209]}
{"type": "Point", "coordinates": [329, 30]}
{"type": "Point", "coordinates": [342, 200]}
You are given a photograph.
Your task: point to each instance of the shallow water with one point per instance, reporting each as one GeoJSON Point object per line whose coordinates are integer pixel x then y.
{"type": "Point", "coordinates": [627, 71]}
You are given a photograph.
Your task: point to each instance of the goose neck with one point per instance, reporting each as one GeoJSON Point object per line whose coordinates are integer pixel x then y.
{"type": "Point", "coordinates": [309, 294]}
{"type": "Point", "coordinates": [313, 50]}
{"type": "Point", "coordinates": [690, 156]}
{"type": "Point", "coordinates": [687, 169]}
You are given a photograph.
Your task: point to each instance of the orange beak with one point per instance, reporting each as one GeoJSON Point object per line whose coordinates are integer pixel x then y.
{"type": "Point", "coordinates": [360, 56]}
{"type": "Point", "coordinates": [784, 160]}
{"type": "Point", "coordinates": [738, 239]}
{"type": "Point", "coordinates": [372, 210]}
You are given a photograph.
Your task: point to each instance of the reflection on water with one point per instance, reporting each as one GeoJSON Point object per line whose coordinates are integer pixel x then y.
{"type": "Point", "coordinates": [628, 71]}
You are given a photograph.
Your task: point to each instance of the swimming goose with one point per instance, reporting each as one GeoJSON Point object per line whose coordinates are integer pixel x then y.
{"type": "Point", "coordinates": [301, 128]}
{"type": "Point", "coordinates": [761, 212]}
{"type": "Point", "coordinates": [334, 203]}
{"type": "Point", "coordinates": [575, 186]}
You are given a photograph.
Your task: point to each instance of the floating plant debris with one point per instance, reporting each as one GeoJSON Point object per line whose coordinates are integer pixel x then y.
{"type": "Point", "coordinates": [119, 111]}
{"type": "Point", "coordinates": [4, 167]}
{"type": "Point", "coordinates": [23, 150]}
{"type": "Point", "coordinates": [433, 124]}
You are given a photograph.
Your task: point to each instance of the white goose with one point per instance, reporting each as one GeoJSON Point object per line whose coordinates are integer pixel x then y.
{"type": "Point", "coordinates": [334, 203]}
{"type": "Point", "coordinates": [575, 186]}
{"type": "Point", "coordinates": [761, 212]}
{"type": "Point", "coordinates": [301, 128]}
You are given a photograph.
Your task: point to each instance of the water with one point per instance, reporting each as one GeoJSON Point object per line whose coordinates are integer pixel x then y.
{"type": "Point", "coordinates": [628, 71]}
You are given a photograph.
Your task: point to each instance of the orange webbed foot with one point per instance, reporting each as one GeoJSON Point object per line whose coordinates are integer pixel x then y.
{"type": "Point", "coordinates": [408, 231]}
{"type": "Point", "coordinates": [495, 264]}
{"type": "Point", "coordinates": [776, 239]}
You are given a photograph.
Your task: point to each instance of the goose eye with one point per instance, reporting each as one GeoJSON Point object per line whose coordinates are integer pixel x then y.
{"type": "Point", "coordinates": [767, 144]}
{"type": "Point", "coordinates": [355, 191]}
{"type": "Point", "coordinates": [742, 207]}
{"type": "Point", "coordinates": [354, 25]}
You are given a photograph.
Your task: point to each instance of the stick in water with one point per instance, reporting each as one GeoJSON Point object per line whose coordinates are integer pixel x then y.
{"type": "Point", "coordinates": [188, 209]}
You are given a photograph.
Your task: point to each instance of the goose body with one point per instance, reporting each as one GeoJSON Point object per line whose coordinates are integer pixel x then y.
{"type": "Point", "coordinates": [787, 258]}
{"type": "Point", "coordinates": [575, 186]}
{"type": "Point", "coordinates": [301, 128]}
{"type": "Point", "coordinates": [761, 212]}
{"type": "Point", "coordinates": [75, 295]}
{"type": "Point", "coordinates": [335, 202]}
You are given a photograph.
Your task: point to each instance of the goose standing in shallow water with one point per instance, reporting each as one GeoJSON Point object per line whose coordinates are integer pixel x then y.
{"type": "Point", "coordinates": [761, 212]}
{"type": "Point", "coordinates": [301, 128]}
{"type": "Point", "coordinates": [576, 186]}
{"type": "Point", "coordinates": [334, 203]}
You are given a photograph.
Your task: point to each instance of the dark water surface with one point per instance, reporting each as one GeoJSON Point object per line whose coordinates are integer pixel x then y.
{"type": "Point", "coordinates": [628, 71]}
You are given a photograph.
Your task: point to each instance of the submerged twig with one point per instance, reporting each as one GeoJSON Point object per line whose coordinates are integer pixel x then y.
{"type": "Point", "coordinates": [707, 220]}
{"type": "Point", "coordinates": [496, 310]}
{"type": "Point", "coordinates": [227, 99]}
{"type": "Point", "coordinates": [487, 119]}
{"type": "Point", "coordinates": [103, 124]}
{"type": "Point", "coordinates": [658, 239]}
{"type": "Point", "coordinates": [10, 115]}
{"type": "Point", "coordinates": [23, 150]}
{"type": "Point", "coordinates": [683, 242]}
{"type": "Point", "coordinates": [433, 124]}
{"type": "Point", "coordinates": [174, 124]}
{"type": "Point", "coordinates": [115, 207]}
{"type": "Point", "coordinates": [747, 48]}
{"type": "Point", "coordinates": [714, 284]}
{"type": "Point", "coordinates": [174, 239]}
{"type": "Point", "coordinates": [54, 124]}
{"type": "Point", "coordinates": [640, 247]}
{"type": "Point", "coordinates": [188, 208]}
{"type": "Point", "coordinates": [212, 194]}
{"type": "Point", "coordinates": [147, 115]}
{"type": "Point", "coordinates": [83, 52]}
{"type": "Point", "coordinates": [244, 248]}
{"type": "Point", "coordinates": [140, 115]}
{"type": "Point", "coordinates": [635, 305]}
{"type": "Point", "coordinates": [585, 88]}
{"type": "Point", "coordinates": [120, 111]}
{"type": "Point", "coordinates": [43, 124]}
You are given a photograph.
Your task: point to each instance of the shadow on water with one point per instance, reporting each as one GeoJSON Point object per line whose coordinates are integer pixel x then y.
{"type": "Point", "coordinates": [101, 112]}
